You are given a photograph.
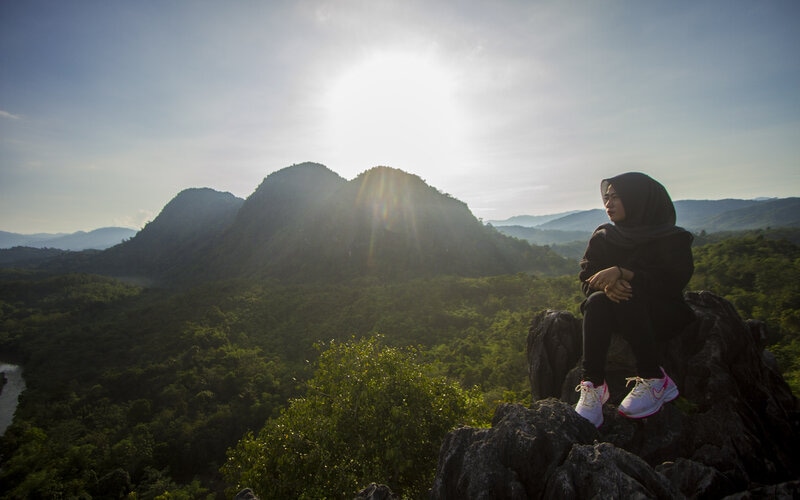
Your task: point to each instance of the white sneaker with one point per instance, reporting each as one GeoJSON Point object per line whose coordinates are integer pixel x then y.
{"type": "Point", "coordinates": [648, 396]}
{"type": "Point", "coordinates": [590, 404]}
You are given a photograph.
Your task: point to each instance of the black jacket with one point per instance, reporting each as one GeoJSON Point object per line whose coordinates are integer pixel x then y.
{"type": "Point", "coordinates": [662, 269]}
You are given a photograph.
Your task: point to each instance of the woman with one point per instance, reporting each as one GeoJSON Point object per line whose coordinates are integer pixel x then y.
{"type": "Point", "coordinates": [633, 274]}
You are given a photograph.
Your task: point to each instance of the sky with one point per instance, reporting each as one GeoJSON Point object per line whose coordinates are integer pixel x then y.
{"type": "Point", "coordinates": [109, 109]}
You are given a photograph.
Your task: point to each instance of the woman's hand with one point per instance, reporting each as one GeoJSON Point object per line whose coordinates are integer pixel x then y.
{"type": "Point", "coordinates": [601, 279]}
{"type": "Point", "coordinates": [611, 281]}
{"type": "Point", "coordinates": [621, 290]}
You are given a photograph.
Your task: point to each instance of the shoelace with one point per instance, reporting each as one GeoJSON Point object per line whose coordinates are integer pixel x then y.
{"type": "Point", "coordinates": [589, 395]}
{"type": "Point", "coordinates": [642, 385]}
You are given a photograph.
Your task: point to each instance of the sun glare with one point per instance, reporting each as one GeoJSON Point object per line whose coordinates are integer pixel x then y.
{"type": "Point", "coordinates": [394, 108]}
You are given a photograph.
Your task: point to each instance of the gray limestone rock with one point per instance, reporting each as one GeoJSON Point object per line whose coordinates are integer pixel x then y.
{"type": "Point", "coordinates": [734, 429]}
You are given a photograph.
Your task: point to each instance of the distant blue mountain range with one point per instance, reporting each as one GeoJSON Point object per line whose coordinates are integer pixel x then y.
{"type": "Point", "coordinates": [694, 215]}
{"type": "Point", "coordinates": [99, 239]}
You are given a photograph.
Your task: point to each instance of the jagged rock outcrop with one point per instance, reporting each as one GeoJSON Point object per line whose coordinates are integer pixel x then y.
{"type": "Point", "coordinates": [246, 494]}
{"type": "Point", "coordinates": [376, 492]}
{"type": "Point", "coordinates": [733, 430]}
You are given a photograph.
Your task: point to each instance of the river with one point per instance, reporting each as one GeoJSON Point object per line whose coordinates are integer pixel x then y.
{"type": "Point", "coordinates": [9, 396]}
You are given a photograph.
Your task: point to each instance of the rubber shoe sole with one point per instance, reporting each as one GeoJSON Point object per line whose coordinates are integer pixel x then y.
{"type": "Point", "coordinates": [671, 392]}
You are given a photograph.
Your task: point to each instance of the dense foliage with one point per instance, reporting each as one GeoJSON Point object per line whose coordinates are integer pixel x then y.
{"type": "Point", "coordinates": [369, 412]}
{"type": "Point", "coordinates": [139, 392]}
{"type": "Point", "coordinates": [761, 277]}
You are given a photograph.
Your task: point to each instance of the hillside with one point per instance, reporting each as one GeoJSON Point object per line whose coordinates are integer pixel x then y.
{"type": "Point", "coordinates": [530, 220]}
{"type": "Point", "coordinates": [539, 236]}
{"type": "Point", "coordinates": [396, 225]}
{"type": "Point", "coordinates": [695, 214]}
{"type": "Point", "coordinates": [173, 243]}
{"type": "Point", "coordinates": [305, 223]}
{"type": "Point", "coordinates": [263, 233]}
{"type": "Point", "coordinates": [586, 220]}
{"type": "Point", "coordinates": [760, 215]}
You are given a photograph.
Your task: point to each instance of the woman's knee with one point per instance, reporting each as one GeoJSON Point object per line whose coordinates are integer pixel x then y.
{"type": "Point", "coordinates": [597, 301]}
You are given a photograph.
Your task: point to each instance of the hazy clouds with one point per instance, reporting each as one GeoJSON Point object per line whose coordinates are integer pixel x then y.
{"type": "Point", "coordinates": [107, 110]}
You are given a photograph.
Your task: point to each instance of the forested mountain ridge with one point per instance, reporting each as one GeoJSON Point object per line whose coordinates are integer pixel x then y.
{"type": "Point", "coordinates": [175, 240]}
{"type": "Point", "coordinates": [389, 223]}
{"type": "Point", "coordinates": [263, 228]}
{"type": "Point", "coordinates": [305, 223]}
{"type": "Point", "coordinates": [783, 212]}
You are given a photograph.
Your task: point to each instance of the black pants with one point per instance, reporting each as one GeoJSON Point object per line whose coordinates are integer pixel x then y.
{"type": "Point", "coordinates": [632, 319]}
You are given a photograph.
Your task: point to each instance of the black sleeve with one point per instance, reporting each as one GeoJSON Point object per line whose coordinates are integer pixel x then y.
{"type": "Point", "coordinates": [594, 259]}
{"type": "Point", "coordinates": [663, 268]}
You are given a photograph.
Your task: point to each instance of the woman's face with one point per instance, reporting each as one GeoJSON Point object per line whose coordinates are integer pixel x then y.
{"type": "Point", "coordinates": [613, 204]}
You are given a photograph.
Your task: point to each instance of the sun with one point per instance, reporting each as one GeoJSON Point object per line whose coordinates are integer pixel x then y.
{"type": "Point", "coordinates": [394, 108]}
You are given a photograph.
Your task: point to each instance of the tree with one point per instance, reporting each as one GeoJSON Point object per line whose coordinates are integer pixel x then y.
{"type": "Point", "coordinates": [370, 414]}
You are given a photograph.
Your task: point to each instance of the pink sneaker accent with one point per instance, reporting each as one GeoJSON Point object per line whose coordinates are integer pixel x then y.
{"type": "Point", "coordinates": [648, 396]}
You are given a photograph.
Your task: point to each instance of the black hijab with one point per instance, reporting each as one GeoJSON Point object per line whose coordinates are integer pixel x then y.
{"type": "Point", "coordinates": [649, 212]}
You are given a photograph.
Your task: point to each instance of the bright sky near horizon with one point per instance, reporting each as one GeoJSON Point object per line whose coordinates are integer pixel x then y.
{"type": "Point", "coordinates": [109, 109]}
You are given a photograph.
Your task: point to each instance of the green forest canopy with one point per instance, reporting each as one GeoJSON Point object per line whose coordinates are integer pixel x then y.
{"type": "Point", "coordinates": [141, 392]}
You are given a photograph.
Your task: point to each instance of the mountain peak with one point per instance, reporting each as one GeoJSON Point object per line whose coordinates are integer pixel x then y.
{"type": "Point", "coordinates": [290, 188]}
{"type": "Point", "coordinates": [393, 192]}
{"type": "Point", "coordinates": [282, 197]}
{"type": "Point", "coordinates": [301, 176]}
{"type": "Point", "coordinates": [306, 223]}
{"type": "Point", "coordinates": [191, 210]}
